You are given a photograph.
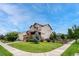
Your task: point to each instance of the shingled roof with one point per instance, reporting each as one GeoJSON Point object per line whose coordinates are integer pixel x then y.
{"type": "Point", "coordinates": [41, 25]}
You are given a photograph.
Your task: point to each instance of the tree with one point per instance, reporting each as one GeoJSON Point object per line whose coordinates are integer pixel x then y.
{"type": "Point", "coordinates": [12, 36]}
{"type": "Point", "coordinates": [76, 32]}
{"type": "Point", "coordinates": [2, 37]}
{"type": "Point", "coordinates": [62, 36]}
{"type": "Point", "coordinates": [53, 36]}
{"type": "Point", "coordinates": [70, 34]}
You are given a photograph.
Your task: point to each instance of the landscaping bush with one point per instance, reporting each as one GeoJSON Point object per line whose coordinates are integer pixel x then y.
{"type": "Point", "coordinates": [41, 40]}
{"type": "Point", "coordinates": [30, 38]}
{"type": "Point", "coordinates": [36, 38]}
{"type": "Point", "coordinates": [48, 40]}
{"type": "Point", "coordinates": [12, 36]}
{"type": "Point", "coordinates": [35, 41]}
{"type": "Point", "coordinates": [33, 38]}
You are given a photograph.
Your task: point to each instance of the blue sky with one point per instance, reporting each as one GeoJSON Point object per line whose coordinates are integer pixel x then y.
{"type": "Point", "coordinates": [18, 17]}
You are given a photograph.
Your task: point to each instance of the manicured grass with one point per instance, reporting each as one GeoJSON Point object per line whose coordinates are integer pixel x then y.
{"type": "Point", "coordinates": [4, 52]}
{"type": "Point", "coordinates": [74, 48]}
{"type": "Point", "coordinates": [36, 48]}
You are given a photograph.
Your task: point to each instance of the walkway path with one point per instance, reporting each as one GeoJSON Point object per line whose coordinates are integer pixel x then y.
{"type": "Point", "coordinates": [55, 52]}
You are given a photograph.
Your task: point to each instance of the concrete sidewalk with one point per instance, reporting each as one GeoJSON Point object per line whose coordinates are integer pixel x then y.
{"type": "Point", "coordinates": [55, 52]}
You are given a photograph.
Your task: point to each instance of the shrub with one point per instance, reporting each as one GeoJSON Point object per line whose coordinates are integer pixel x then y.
{"type": "Point", "coordinates": [33, 38]}
{"type": "Point", "coordinates": [35, 41]}
{"type": "Point", "coordinates": [64, 38]}
{"type": "Point", "coordinates": [30, 38]}
{"type": "Point", "coordinates": [41, 40]}
{"type": "Point", "coordinates": [36, 37]}
{"type": "Point", "coordinates": [48, 40]}
{"type": "Point", "coordinates": [12, 36]}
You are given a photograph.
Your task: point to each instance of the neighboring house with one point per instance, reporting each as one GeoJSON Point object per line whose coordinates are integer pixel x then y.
{"type": "Point", "coordinates": [21, 36]}
{"type": "Point", "coordinates": [44, 30]}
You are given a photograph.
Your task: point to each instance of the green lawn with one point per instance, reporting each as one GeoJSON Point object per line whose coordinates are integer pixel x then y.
{"type": "Point", "coordinates": [74, 48]}
{"type": "Point", "coordinates": [4, 52]}
{"type": "Point", "coordinates": [36, 48]}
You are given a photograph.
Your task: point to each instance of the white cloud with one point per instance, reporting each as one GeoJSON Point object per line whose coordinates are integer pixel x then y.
{"type": "Point", "coordinates": [9, 9]}
{"type": "Point", "coordinates": [3, 31]}
{"type": "Point", "coordinates": [15, 14]}
{"type": "Point", "coordinates": [16, 17]}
